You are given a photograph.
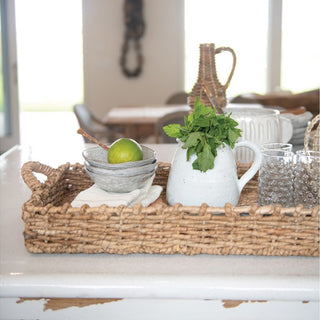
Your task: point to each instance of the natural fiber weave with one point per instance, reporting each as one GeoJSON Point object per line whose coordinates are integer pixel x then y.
{"type": "Point", "coordinates": [207, 73]}
{"type": "Point", "coordinates": [53, 226]}
{"type": "Point", "coordinates": [312, 137]}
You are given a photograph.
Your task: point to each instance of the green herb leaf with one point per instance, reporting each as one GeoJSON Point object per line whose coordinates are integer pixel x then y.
{"type": "Point", "coordinates": [202, 122]}
{"type": "Point", "coordinates": [204, 131]}
{"type": "Point", "coordinates": [173, 130]}
{"type": "Point", "coordinates": [232, 136]}
{"type": "Point", "coordinates": [190, 152]}
{"type": "Point", "coordinates": [192, 140]}
{"type": "Point", "coordinates": [206, 159]}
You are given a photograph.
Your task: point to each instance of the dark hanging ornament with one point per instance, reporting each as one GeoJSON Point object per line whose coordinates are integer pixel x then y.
{"type": "Point", "coordinates": [134, 31]}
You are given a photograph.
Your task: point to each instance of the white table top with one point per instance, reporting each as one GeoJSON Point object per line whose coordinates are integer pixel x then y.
{"type": "Point", "coordinates": [136, 275]}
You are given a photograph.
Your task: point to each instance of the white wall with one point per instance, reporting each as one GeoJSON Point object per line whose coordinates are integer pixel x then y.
{"type": "Point", "coordinates": [162, 45]}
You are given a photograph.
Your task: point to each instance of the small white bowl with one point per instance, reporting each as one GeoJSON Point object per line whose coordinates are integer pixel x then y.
{"type": "Point", "coordinates": [123, 172]}
{"type": "Point", "coordinates": [98, 157]}
{"type": "Point", "coordinates": [119, 184]}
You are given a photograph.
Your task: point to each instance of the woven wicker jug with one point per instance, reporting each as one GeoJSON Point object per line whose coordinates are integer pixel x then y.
{"type": "Point", "coordinates": [208, 75]}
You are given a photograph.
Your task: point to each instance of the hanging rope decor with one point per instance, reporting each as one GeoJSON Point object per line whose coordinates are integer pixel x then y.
{"type": "Point", "coordinates": [134, 31]}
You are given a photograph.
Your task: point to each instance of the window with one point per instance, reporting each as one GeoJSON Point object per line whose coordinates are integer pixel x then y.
{"type": "Point", "coordinates": [9, 118]}
{"type": "Point", "coordinates": [244, 26]}
{"type": "Point", "coordinates": [300, 45]}
{"type": "Point", "coordinates": [49, 41]}
{"type": "Point", "coordinates": [4, 128]}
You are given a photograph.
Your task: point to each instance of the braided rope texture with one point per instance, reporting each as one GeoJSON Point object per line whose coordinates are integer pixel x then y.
{"type": "Point", "coordinates": [316, 136]}
{"type": "Point", "coordinates": [52, 225]}
{"type": "Point", "coordinates": [208, 72]}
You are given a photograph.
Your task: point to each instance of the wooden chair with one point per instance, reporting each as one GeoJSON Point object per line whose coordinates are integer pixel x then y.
{"type": "Point", "coordinates": [89, 123]}
{"type": "Point", "coordinates": [307, 99]}
{"type": "Point", "coordinates": [178, 98]}
{"type": "Point", "coordinates": [173, 117]}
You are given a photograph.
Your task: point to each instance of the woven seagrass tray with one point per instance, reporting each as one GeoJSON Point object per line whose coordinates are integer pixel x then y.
{"type": "Point", "coordinates": [52, 225]}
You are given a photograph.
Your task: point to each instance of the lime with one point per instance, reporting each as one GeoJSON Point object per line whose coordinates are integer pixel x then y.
{"type": "Point", "coordinates": [124, 150]}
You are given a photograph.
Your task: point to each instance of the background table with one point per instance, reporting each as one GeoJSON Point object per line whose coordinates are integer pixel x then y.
{"type": "Point", "coordinates": [139, 286]}
{"type": "Point", "coordinates": [140, 120]}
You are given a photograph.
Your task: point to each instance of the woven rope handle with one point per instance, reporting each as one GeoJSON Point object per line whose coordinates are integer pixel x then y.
{"type": "Point", "coordinates": [308, 131]}
{"type": "Point", "coordinates": [221, 49]}
{"type": "Point", "coordinates": [30, 180]}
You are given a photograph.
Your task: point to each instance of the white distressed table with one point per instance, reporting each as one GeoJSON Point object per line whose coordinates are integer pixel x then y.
{"type": "Point", "coordinates": [139, 286]}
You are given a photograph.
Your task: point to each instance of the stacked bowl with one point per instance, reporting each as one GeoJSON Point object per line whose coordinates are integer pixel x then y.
{"type": "Point", "coordinates": [300, 123]}
{"type": "Point", "coordinates": [119, 177]}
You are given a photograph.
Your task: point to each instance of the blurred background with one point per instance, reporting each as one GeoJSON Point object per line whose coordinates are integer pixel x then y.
{"type": "Point", "coordinates": [55, 54]}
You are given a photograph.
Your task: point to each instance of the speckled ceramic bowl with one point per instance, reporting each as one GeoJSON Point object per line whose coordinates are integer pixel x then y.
{"type": "Point", "coordinates": [98, 157]}
{"type": "Point", "coordinates": [119, 184]}
{"type": "Point", "coordinates": [123, 172]}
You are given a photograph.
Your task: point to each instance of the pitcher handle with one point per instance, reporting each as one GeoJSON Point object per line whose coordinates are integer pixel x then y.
{"type": "Point", "coordinates": [221, 49]}
{"type": "Point", "coordinates": [255, 166]}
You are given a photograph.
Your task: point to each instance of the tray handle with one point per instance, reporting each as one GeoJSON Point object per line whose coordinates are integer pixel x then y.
{"type": "Point", "coordinates": [31, 181]}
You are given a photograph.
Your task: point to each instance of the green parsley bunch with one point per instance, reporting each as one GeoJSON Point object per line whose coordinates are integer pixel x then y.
{"type": "Point", "coordinates": [204, 131]}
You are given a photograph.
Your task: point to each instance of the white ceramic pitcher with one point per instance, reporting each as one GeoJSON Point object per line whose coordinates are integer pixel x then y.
{"type": "Point", "coordinates": [216, 186]}
{"type": "Point", "coordinates": [260, 126]}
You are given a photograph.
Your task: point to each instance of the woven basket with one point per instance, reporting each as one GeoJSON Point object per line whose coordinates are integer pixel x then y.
{"type": "Point", "coordinates": [312, 135]}
{"type": "Point", "coordinates": [52, 225]}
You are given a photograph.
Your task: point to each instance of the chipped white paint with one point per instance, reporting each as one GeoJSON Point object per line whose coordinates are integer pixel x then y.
{"type": "Point", "coordinates": [155, 309]}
